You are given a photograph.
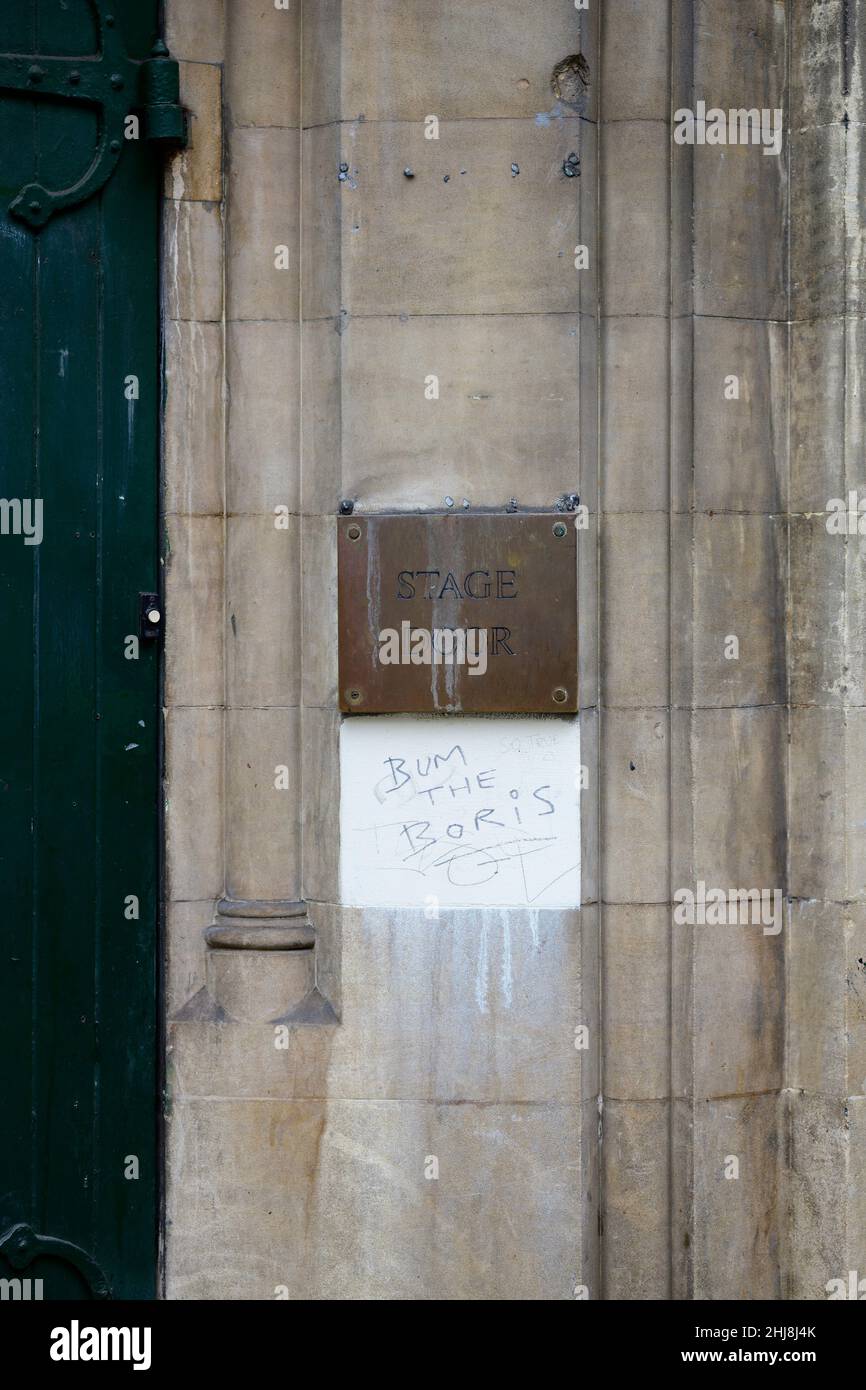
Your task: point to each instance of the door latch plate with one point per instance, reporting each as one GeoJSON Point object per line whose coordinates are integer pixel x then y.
{"type": "Point", "coordinates": [150, 617]}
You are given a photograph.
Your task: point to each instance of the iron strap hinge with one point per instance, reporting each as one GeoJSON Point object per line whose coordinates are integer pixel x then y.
{"type": "Point", "coordinates": [117, 86]}
{"type": "Point", "coordinates": [21, 1245]}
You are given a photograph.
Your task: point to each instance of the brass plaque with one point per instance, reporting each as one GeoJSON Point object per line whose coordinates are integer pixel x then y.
{"type": "Point", "coordinates": [456, 613]}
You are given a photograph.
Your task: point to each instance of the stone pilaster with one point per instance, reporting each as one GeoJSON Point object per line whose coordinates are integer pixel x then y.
{"type": "Point", "coordinates": [194, 501]}
{"type": "Point", "coordinates": [261, 953]}
{"type": "Point", "coordinates": [729, 670]}
{"type": "Point", "coordinates": [694, 541]}
{"type": "Point", "coordinates": [635, 610]}
{"type": "Point", "coordinates": [825, 1101]}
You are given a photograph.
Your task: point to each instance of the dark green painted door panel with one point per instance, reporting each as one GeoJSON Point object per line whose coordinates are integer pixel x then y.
{"type": "Point", "coordinates": [79, 722]}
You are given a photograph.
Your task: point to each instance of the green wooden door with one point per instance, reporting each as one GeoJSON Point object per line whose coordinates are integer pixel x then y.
{"type": "Point", "coordinates": [79, 695]}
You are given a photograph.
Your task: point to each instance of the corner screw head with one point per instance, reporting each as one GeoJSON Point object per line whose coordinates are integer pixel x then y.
{"type": "Point", "coordinates": [354, 532]}
{"type": "Point", "coordinates": [355, 697]}
{"type": "Point", "coordinates": [559, 528]}
{"type": "Point", "coordinates": [560, 695]}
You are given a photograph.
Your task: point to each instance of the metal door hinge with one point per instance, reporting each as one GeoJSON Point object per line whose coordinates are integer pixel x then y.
{"type": "Point", "coordinates": [117, 86]}
{"type": "Point", "coordinates": [164, 117]}
{"type": "Point", "coordinates": [21, 1245]}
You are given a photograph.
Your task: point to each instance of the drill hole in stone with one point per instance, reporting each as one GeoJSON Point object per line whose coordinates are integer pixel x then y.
{"type": "Point", "coordinates": [570, 80]}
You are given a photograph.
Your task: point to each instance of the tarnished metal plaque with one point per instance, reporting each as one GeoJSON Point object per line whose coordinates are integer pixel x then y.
{"type": "Point", "coordinates": [456, 613]}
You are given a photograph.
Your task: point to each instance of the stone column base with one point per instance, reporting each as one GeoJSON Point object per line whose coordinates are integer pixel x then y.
{"type": "Point", "coordinates": [261, 964]}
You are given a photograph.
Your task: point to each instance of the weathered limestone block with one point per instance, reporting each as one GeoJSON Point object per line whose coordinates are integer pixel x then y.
{"type": "Point", "coordinates": [633, 91]}
{"type": "Point", "coordinates": [262, 793]}
{"type": "Point", "coordinates": [409, 60]}
{"type": "Point", "coordinates": [192, 269]}
{"type": "Point", "coordinates": [195, 29]}
{"type": "Point", "coordinates": [737, 1209]}
{"type": "Point", "coordinates": [193, 642]}
{"type": "Point", "coordinates": [636, 1224]}
{"type": "Point", "coordinates": [826, 1023]}
{"type": "Point", "coordinates": [338, 1199]}
{"type": "Point", "coordinates": [197, 171]}
{"type": "Point", "coordinates": [740, 439]}
{"type": "Point", "coordinates": [635, 434]}
{"type": "Point", "coordinates": [194, 803]}
{"type": "Point", "coordinates": [263, 416]}
{"type": "Point", "coordinates": [194, 447]}
{"type": "Point", "coordinates": [504, 392]}
{"type": "Point", "coordinates": [263, 76]}
{"type": "Point", "coordinates": [263, 217]}
{"type": "Point", "coordinates": [635, 632]}
{"type": "Point", "coordinates": [488, 241]}
{"type": "Point", "coordinates": [738, 797]}
{"type": "Point", "coordinates": [634, 217]}
{"type": "Point", "coordinates": [263, 610]}
{"type": "Point", "coordinates": [634, 820]}
{"type": "Point", "coordinates": [740, 232]}
{"type": "Point", "coordinates": [738, 645]}
{"type": "Point", "coordinates": [636, 991]}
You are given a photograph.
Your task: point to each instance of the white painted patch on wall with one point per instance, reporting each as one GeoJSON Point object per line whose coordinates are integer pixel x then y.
{"type": "Point", "coordinates": [472, 812]}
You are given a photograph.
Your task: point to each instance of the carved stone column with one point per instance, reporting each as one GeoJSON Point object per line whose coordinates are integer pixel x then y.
{"type": "Point", "coordinates": [261, 946]}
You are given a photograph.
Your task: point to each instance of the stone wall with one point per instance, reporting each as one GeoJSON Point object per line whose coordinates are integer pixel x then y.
{"type": "Point", "coordinates": [323, 258]}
